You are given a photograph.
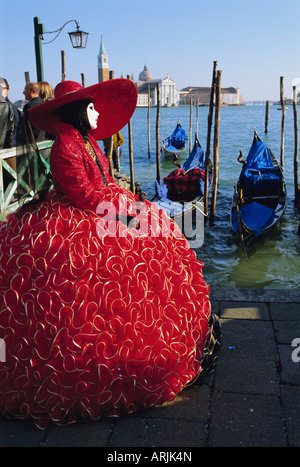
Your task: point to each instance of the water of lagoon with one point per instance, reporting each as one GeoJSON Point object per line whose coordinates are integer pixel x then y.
{"type": "Point", "coordinates": [276, 264]}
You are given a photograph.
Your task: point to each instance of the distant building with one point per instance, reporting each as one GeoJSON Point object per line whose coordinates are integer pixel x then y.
{"type": "Point", "coordinates": [169, 95]}
{"type": "Point", "coordinates": [103, 69]}
{"type": "Point", "coordinates": [229, 96]}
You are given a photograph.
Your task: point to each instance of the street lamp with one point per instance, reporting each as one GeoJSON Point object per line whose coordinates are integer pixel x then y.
{"type": "Point", "coordinates": [78, 39]}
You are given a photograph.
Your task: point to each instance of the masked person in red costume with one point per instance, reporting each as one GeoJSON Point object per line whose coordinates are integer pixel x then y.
{"type": "Point", "coordinates": [99, 315]}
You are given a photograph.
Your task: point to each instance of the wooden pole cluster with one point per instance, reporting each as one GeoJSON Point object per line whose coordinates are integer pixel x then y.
{"type": "Point", "coordinates": [282, 123]}
{"type": "Point", "coordinates": [216, 148]}
{"type": "Point", "coordinates": [209, 123]}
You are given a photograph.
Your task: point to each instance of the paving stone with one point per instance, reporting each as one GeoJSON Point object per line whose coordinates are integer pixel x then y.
{"type": "Point", "coordinates": [246, 376]}
{"type": "Point", "coordinates": [244, 310]}
{"type": "Point", "coordinates": [291, 412]}
{"type": "Point", "coordinates": [85, 434]}
{"type": "Point", "coordinates": [128, 431]}
{"type": "Point", "coordinates": [290, 370]}
{"type": "Point", "coordinates": [248, 339]}
{"type": "Point", "coordinates": [285, 311]}
{"type": "Point", "coordinates": [190, 404]}
{"type": "Point", "coordinates": [255, 295]}
{"type": "Point", "coordinates": [175, 433]}
{"type": "Point", "coordinates": [246, 420]}
{"type": "Point", "coordinates": [19, 433]}
{"type": "Point", "coordinates": [286, 331]}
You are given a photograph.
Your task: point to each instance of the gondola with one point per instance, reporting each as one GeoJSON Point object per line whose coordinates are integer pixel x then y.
{"type": "Point", "coordinates": [175, 146]}
{"type": "Point", "coordinates": [259, 197]}
{"type": "Point", "coordinates": [182, 191]}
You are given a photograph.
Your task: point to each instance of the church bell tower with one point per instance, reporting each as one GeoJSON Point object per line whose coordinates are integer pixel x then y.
{"type": "Point", "coordinates": [103, 72]}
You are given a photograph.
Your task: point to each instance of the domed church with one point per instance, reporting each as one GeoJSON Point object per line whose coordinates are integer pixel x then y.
{"type": "Point", "coordinates": [145, 75]}
{"type": "Point", "coordinates": [169, 95]}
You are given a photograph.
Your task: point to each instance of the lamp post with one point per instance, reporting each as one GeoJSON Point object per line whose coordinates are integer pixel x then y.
{"type": "Point", "coordinates": [78, 39]}
{"type": "Point", "coordinates": [38, 32]}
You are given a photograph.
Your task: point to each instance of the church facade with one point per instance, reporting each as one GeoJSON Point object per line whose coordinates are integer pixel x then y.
{"type": "Point", "coordinates": [147, 89]}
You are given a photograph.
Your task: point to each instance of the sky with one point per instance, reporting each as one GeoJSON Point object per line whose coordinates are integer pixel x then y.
{"type": "Point", "coordinates": [255, 42]}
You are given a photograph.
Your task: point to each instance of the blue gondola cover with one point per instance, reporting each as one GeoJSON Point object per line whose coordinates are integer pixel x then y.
{"type": "Point", "coordinates": [177, 140]}
{"type": "Point", "coordinates": [259, 176]}
{"type": "Point", "coordinates": [256, 216]}
{"type": "Point", "coordinates": [195, 159]}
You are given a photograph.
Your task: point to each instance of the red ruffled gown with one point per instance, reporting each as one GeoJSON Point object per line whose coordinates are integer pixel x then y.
{"type": "Point", "coordinates": [97, 318]}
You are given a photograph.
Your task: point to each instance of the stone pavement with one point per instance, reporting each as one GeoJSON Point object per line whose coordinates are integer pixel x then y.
{"type": "Point", "coordinates": [252, 399]}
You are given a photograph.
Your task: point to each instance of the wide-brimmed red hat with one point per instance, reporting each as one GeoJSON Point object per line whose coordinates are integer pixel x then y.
{"type": "Point", "coordinates": [115, 100]}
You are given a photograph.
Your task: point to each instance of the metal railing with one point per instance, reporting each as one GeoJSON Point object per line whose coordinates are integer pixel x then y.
{"type": "Point", "coordinates": [22, 172]}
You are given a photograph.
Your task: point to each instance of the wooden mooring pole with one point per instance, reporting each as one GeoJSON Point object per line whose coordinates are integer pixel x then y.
{"type": "Point", "coordinates": [63, 65]}
{"type": "Point", "coordinates": [296, 149]}
{"type": "Point", "coordinates": [197, 117]}
{"type": "Point", "coordinates": [191, 120]}
{"type": "Point", "coordinates": [110, 143]}
{"type": "Point", "coordinates": [157, 134]}
{"type": "Point", "coordinates": [209, 123]}
{"type": "Point", "coordinates": [267, 116]}
{"type": "Point", "coordinates": [132, 182]}
{"type": "Point", "coordinates": [27, 77]}
{"type": "Point", "coordinates": [282, 123]}
{"type": "Point", "coordinates": [148, 120]}
{"type": "Point", "coordinates": [216, 148]}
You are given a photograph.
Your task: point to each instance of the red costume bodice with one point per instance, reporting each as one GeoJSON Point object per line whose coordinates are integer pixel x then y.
{"type": "Point", "coordinates": [75, 172]}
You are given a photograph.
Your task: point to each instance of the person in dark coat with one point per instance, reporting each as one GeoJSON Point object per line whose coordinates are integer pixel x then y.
{"type": "Point", "coordinates": [31, 93]}
{"type": "Point", "coordinates": [5, 89]}
{"type": "Point", "coordinates": [6, 118]}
